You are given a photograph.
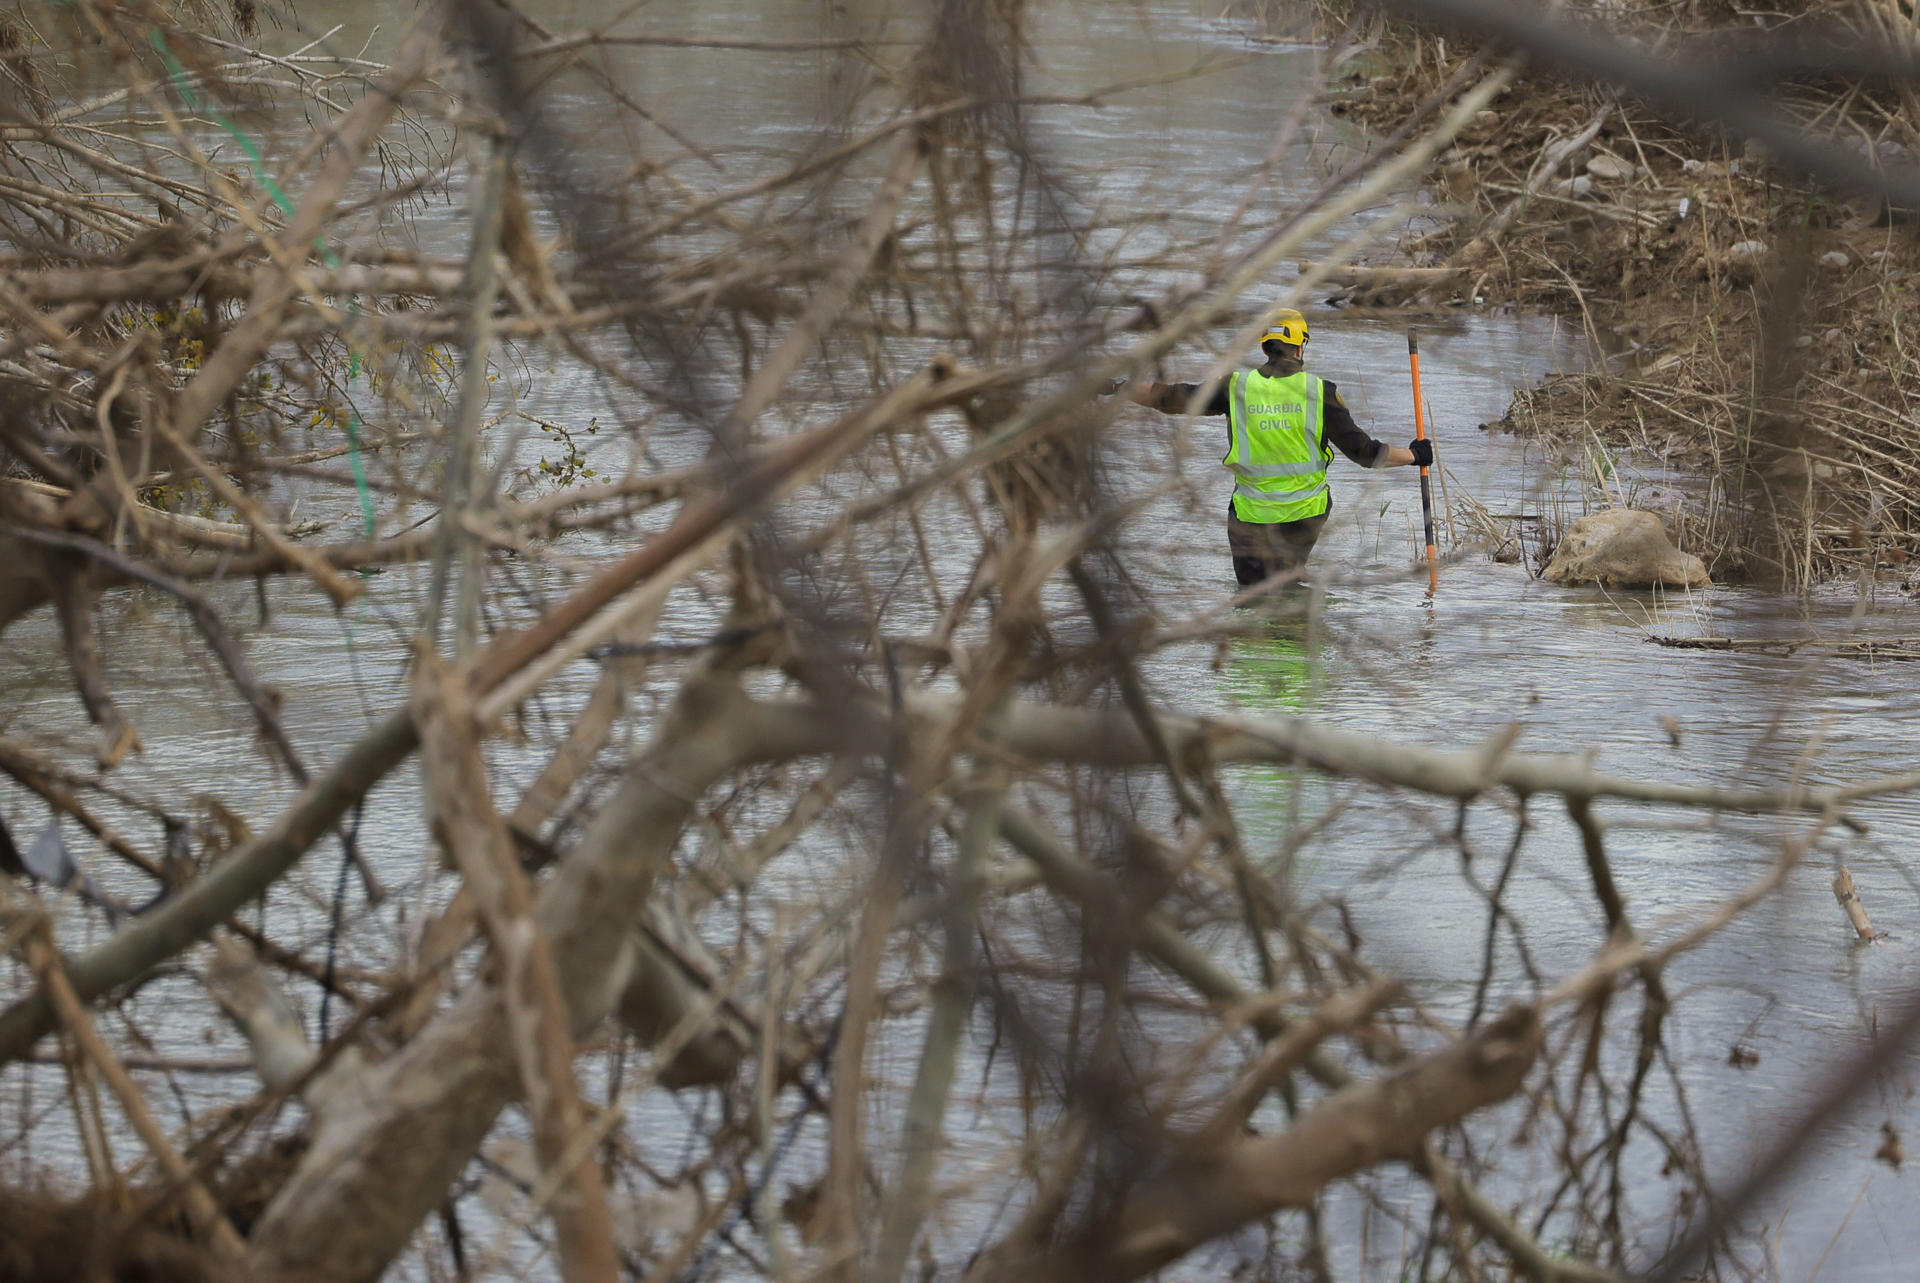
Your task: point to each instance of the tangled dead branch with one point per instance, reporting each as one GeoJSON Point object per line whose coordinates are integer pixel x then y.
{"type": "Point", "coordinates": [872, 829]}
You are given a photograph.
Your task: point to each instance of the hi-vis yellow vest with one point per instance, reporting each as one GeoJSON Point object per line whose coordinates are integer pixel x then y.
{"type": "Point", "coordinates": [1278, 456]}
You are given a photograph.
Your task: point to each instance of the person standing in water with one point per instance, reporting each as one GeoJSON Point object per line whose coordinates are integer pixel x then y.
{"type": "Point", "coordinates": [1282, 426]}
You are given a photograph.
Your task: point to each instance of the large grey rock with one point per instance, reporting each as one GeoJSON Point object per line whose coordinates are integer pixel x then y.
{"type": "Point", "coordinates": [1623, 548]}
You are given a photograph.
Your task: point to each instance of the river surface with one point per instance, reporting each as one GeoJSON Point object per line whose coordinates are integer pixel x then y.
{"type": "Point", "coordinates": [1494, 646]}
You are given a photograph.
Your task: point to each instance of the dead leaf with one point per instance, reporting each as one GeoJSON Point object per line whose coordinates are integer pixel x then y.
{"type": "Point", "coordinates": [1671, 725]}
{"type": "Point", "coordinates": [1891, 1151]}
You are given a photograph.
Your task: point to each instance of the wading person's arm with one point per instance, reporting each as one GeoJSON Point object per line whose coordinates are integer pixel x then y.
{"type": "Point", "coordinates": [1174, 398]}
{"type": "Point", "coordinates": [1346, 435]}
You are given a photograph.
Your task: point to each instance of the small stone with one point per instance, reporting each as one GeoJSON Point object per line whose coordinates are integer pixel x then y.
{"type": "Point", "coordinates": [1574, 188]}
{"type": "Point", "coordinates": [1486, 119]}
{"type": "Point", "coordinates": [1804, 341]}
{"type": "Point", "coordinates": [1747, 251]}
{"type": "Point", "coordinates": [1691, 166]}
{"type": "Point", "coordinates": [1836, 259]}
{"type": "Point", "coordinates": [1609, 169]}
{"type": "Point", "coordinates": [1832, 336]}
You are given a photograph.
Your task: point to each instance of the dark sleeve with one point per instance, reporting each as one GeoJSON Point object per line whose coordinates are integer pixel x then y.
{"type": "Point", "coordinates": [1173, 398]}
{"type": "Point", "coordinates": [1343, 432]}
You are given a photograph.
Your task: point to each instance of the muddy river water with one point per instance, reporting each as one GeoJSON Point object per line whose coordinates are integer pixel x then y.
{"type": "Point", "coordinates": [1496, 646]}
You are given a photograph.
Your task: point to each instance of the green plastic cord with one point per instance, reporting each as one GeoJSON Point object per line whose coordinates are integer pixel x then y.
{"type": "Point", "coordinates": [183, 85]}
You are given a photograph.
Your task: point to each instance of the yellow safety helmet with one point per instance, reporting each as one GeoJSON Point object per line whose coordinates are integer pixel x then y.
{"type": "Point", "coordinates": [1286, 326]}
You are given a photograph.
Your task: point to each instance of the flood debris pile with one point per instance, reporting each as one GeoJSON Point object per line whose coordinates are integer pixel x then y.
{"type": "Point", "coordinates": [764, 848]}
{"type": "Point", "coordinates": [1753, 315]}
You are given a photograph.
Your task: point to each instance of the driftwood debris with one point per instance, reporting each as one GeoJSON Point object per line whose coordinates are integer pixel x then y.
{"type": "Point", "coordinates": [1892, 648]}
{"type": "Point", "coordinates": [1384, 286]}
{"type": "Point", "coordinates": [1849, 898]}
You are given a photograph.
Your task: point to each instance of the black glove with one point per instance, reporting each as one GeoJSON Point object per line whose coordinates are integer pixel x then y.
{"type": "Point", "coordinates": [1113, 386]}
{"type": "Point", "coordinates": [1422, 452]}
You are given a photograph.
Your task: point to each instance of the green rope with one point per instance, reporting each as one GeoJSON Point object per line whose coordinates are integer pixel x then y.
{"type": "Point", "coordinates": [359, 471]}
{"type": "Point", "coordinates": [183, 85]}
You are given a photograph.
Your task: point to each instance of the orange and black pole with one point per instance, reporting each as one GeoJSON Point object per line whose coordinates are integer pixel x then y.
{"type": "Point", "coordinates": [1426, 487]}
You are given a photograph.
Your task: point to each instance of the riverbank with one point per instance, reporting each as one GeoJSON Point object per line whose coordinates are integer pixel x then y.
{"type": "Point", "coordinates": [1754, 331]}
